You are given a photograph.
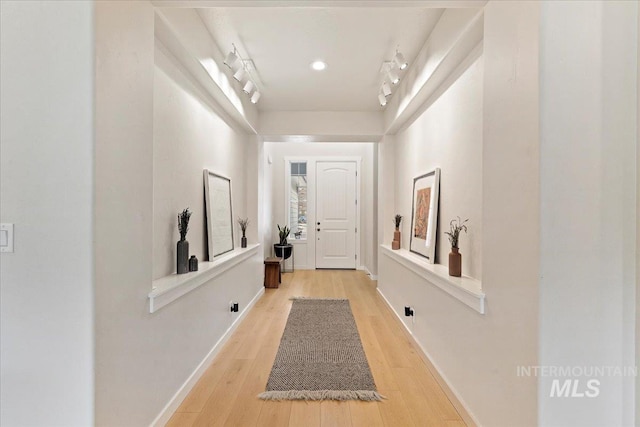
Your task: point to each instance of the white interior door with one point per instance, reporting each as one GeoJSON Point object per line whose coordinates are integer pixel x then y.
{"type": "Point", "coordinates": [336, 208]}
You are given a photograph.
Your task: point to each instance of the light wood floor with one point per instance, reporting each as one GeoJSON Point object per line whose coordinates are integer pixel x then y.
{"type": "Point", "coordinates": [226, 393]}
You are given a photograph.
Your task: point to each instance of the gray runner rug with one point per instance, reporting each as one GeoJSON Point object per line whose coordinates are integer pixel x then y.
{"type": "Point", "coordinates": [320, 355]}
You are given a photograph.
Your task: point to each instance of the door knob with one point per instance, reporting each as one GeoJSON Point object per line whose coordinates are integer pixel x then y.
{"type": "Point", "coordinates": [317, 229]}
{"type": "Point", "coordinates": [318, 223]}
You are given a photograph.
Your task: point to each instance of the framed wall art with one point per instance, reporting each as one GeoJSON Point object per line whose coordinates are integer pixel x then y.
{"type": "Point", "coordinates": [424, 214]}
{"type": "Point", "coordinates": [217, 194]}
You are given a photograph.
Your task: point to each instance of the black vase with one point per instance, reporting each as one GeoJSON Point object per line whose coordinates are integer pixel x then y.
{"type": "Point", "coordinates": [182, 259]}
{"type": "Point", "coordinates": [193, 263]}
{"type": "Point", "coordinates": [243, 242]}
{"type": "Point", "coordinates": [283, 251]}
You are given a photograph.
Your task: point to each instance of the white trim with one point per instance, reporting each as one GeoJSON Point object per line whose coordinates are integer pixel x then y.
{"type": "Point", "coordinates": [439, 4]}
{"type": "Point", "coordinates": [173, 404]}
{"type": "Point", "coordinates": [366, 270]}
{"type": "Point", "coordinates": [439, 373]}
{"type": "Point", "coordinates": [312, 162]}
{"type": "Point", "coordinates": [169, 288]}
{"type": "Point", "coordinates": [464, 289]}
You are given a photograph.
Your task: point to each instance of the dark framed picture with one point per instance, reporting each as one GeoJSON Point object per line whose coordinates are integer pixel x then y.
{"type": "Point", "coordinates": [424, 214]}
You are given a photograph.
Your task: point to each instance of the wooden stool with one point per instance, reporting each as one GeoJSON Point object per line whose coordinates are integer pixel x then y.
{"type": "Point", "coordinates": [272, 272]}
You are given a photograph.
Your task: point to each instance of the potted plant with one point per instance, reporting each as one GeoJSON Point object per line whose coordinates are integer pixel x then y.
{"type": "Point", "coordinates": [455, 258]}
{"type": "Point", "coordinates": [244, 223]}
{"type": "Point", "coordinates": [396, 234]}
{"type": "Point", "coordinates": [283, 249]}
{"type": "Point", "coordinates": [182, 258]}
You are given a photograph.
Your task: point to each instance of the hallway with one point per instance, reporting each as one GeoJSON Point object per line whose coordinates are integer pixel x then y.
{"type": "Point", "coordinates": [519, 119]}
{"type": "Point", "coordinates": [226, 393]}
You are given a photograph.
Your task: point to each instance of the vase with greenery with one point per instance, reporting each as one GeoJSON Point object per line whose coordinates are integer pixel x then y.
{"type": "Point", "coordinates": [396, 234]}
{"type": "Point", "coordinates": [182, 258]}
{"type": "Point", "coordinates": [244, 223]}
{"type": "Point", "coordinates": [283, 248]}
{"type": "Point", "coordinates": [455, 258]}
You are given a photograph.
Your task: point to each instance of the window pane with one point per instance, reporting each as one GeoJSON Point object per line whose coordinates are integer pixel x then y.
{"type": "Point", "coordinates": [298, 200]}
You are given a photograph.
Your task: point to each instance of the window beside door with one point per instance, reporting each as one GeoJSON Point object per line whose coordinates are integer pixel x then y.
{"type": "Point", "coordinates": [298, 200]}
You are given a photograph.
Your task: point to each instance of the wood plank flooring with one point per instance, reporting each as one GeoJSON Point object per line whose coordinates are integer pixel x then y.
{"type": "Point", "coordinates": [226, 393]}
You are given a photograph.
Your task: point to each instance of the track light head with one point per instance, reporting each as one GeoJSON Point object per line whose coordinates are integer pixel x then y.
{"type": "Point", "coordinates": [382, 99]}
{"type": "Point", "coordinates": [255, 97]}
{"type": "Point", "coordinates": [231, 59]}
{"type": "Point", "coordinates": [385, 89]}
{"type": "Point", "coordinates": [394, 78]}
{"type": "Point", "coordinates": [399, 59]}
{"type": "Point", "coordinates": [248, 87]}
{"type": "Point", "coordinates": [239, 75]}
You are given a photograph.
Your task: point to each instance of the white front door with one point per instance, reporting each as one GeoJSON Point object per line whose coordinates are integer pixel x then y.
{"type": "Point", "coordinates": [336, 208]}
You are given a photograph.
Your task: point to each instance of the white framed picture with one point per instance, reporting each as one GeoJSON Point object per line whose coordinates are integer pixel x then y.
{"type": "Point", "coordinates": [217, 193]}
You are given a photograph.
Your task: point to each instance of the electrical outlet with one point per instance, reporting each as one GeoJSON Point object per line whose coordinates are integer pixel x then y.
{"type": "Point", "coordinates": [6, 237]}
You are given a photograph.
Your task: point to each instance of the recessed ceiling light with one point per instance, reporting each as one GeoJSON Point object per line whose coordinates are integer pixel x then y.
{"type": "Point", "coordinates": [318, 65]}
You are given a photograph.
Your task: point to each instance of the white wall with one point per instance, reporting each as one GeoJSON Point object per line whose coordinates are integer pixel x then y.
{"type": "Point", "coordinates": [188, 137]}
{"type": "Point", "coordinates": [448, 135]}
{"type": "Point", "coordinates": [637, 355]}
{"type": "Point", "coordinates": [386, 188]}
{"type": "Point", "coordinates": [142, 359]}
{"type": "Point", "coordinates": [46, 154]}
{"type": "Point", "coordinates": [275, 172]}
{"type": "Point", "coordinates": [588, 213]}
{"type": "Point", "coordinates": [348, 124]}
{"type": "Point", "coordinates": [478, 354]}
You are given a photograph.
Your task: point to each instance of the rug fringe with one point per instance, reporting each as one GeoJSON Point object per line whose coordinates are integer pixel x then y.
{"type": "Point", "coordinates": [317, 299]}
{"type": "Point", "coordinates": [366, 395]}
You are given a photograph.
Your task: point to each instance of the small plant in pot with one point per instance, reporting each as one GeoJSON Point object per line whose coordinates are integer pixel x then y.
{"type": "Point", "coordinates": [182, 258]}
{"type": "Point", "coordinates": [283, 249]}
{"type": "Point", "coordinates": [244, 223]}
{"type": "Point", "coordinates": [455, 258]}
{"type": "Point", "coordinates": [397, 220]}
{"type": "Point", "coordinates": [396, 234]}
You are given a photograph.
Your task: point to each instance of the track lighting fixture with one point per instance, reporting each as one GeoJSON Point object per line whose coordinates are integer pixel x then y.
{"type": "Point", "coordinates": [386, 89]}
{"type": "Point", "coordinates": [242, 73]}
{"type": "Point", "coordinates": [399, 59]}
{"type": "Point", "coordinates": [390, 71]}
{"type": "Point", "coordinates": [231, 58]}
{"type": "Point", "coordinates": [248, 87]}
{"type": "Point", "coordinates": [239, 74]}
{"type": "Point", "coordinates": [382, 99]}
{"type": "Point", "coordinates": [394, 78]}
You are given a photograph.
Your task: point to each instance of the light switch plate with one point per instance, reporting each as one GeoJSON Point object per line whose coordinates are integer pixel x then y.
{"type": "Point", "coordinates": [6, 237]}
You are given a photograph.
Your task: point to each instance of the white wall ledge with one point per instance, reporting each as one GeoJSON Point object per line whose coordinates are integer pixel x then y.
{"type": "Point", "coordinates": [169, 288]}
{"type": "Point", "coordinates": [465, 289]}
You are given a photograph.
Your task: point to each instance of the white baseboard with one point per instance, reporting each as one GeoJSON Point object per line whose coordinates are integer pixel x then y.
{"type": "Point", "coordinates": [450, 391]}
{"type": "Point", "coordinates": [366, 270]}
{"type": "Point", "coordinates": [171, 407]}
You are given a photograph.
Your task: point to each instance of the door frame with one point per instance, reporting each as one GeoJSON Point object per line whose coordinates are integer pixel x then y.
{"type": "Point", "coordinates": [310, 262]}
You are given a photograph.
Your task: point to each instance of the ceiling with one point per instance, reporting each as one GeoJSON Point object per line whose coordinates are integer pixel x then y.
{"type": "Point", "coordinates": [354, 42]}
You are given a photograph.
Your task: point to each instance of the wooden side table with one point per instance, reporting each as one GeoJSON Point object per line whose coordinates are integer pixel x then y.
{"type": "Point", "coordinates": [272, 272]}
